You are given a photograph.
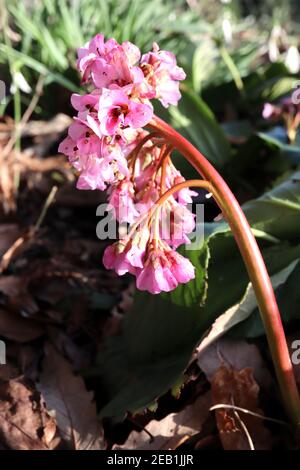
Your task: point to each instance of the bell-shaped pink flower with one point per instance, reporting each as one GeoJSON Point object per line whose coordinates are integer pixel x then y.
{"type": "Point", "coordinates": [98, 162]}
{"type": "Point", "coordinates": [108, 63]}
{"type": "Point", "coordinates": [163, 270]}
{"type": "Point", "coordinates": [162, 75]}
{"type": "Point", "coordinates": [183, 196]}
{"type": "Point", "coordinates": [85, 104]}
{"type": "Point", "coordinates": [181, 267]}
{"type": "Point", "coordinates": [123, 59]}
{"type": "Point", "coordinates": [68, 147]}
{"type": "Point", "coordinates": [127, 254]}
{"type": "Point", "coordinates": [176, 222]}
{"type": "Point", "coordinates": [86, 140]}
{"type": "Point", "coordinates": [95, 172]}
{"type": "Point", "coordinates": [271, 111]}
{"type": "Point", "coordinates": [146, 198]}
{"type": "Point", "coordinates": [156, 278]}
{"type": "Point", "coordinates": [117, 111]}
{"type": "Point", "coordinates": [114, 257]}
{"type": "Point", "coordinates": [122, 202]}
{"type": "Point", "coordinates": [94, 60]}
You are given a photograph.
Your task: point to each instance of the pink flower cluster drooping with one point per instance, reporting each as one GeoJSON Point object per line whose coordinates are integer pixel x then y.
{"type": "Point", "coordinates": [109, 147]}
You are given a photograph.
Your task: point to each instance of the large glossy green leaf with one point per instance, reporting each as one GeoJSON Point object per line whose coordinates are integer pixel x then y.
{"type": "Point", "coordinates": [194, 119]}
{"type": "Point", "coordinates": [277, 140]}
{"type": "Point", "coordinates": [264, 156]}
{"type": "Point", "coordinates": [243, 309]}
{"type": "Point", "coordinates": [288, 298]}
{"type": "Point", "coordinates": [193, 293]}
{"type": "Point", "coordinates": [277, 212]}
{"type": "Point", "coordinates": [148, 357]}
{"type": "Point", "coordinates": [274, 88]}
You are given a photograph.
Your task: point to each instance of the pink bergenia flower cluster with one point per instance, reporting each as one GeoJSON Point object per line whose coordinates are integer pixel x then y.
{"type": "Point", "coordinates": [109, 147]}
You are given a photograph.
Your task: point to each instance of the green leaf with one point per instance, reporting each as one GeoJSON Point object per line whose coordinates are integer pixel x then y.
{"type": "Point", "coordinates": [288, 299]}
{"type": "Point", "coordinates": [38, 67]}
{"type": "Point", "coordinates": [277, 212]}
{"type": "Point", "coordinates": [53, 50]}
{"type": "Point", "coordinates": [273, 89]}
{"type": "Point", "coordinates": [148, 357]}
{"type": "Point", "coordinates": [204, 63]}
{"type": "Point", "coordinates": [194, 119]}
{"type": "Point", "coordinates": [269, 83]}
{"type": "Point", "coordinates": [291, 153]}
{"type": "Point", "coordinates": [237, 130]}
{"type": "Point", "coordinates": [242, 310]}
{"type": "Point", "coordinates": [264, 157]}
{"type": "Point", "coordinates": [194, 292]}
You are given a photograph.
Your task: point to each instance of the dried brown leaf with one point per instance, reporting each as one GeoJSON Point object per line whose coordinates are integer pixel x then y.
{"type": "Point", "coordinates": [237, 354]}
{"type": "Point", "coordinates": [8, 371]}
{"type": "Point", "coordinates": [21, 330]}
{"type": "Point", "coordinates": [24, 422]}
{"type": "Point", "coordinates": [238, 388]}
{"type": "Point", "coordinates": [70, 403]}
{"type": "Point", "coordinates": [18, 299]}
{"type": "Point", "coordinates": [169, 432]}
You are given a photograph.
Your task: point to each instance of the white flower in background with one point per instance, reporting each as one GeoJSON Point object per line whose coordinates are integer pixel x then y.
{"type": "Point", "coordinates": [227, 30]}
{"type": "Point", "coordinates": [292, 59]}
{"type": "Point", "coordinates": [2, 92]}
{"type": "Point", "coordinates": [19, 81]}
{"type": "Point", "coordinates": [278, 36]}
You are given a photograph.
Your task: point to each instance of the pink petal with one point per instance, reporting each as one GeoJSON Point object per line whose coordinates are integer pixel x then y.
{"type": "Point", "coordinates": [140, 114]}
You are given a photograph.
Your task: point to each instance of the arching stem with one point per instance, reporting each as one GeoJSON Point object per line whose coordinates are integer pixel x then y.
{"type": "Point", "coordinates": [185, 184]}
{"type": "Point", "coordinates": [254, 263]}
